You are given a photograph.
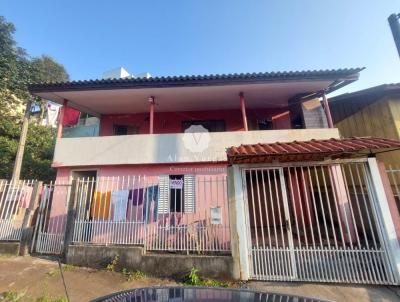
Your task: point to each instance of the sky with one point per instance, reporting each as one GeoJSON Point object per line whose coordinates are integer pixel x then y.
{"type": "Point", "coordinates": [184, 37]}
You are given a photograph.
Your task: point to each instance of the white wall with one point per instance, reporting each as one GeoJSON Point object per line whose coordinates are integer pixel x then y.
{"type": "Point", "coordinates": [168, 148]}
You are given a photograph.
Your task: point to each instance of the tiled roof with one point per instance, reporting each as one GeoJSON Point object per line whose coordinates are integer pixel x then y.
{"type": "Point", "coordinates": [191, 80]}
{"type": "Point", "coordinates": [307, 150]}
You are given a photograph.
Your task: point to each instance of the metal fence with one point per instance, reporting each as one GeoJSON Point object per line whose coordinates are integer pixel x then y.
{"type": "Point", "coordinates": [315, 222]}
{"type": "Point", "coordinates": [51, 220]}
{"type": "Point", "coordinates": [14, 200]}
{"type": "Point", "coordinates": [162, 213]}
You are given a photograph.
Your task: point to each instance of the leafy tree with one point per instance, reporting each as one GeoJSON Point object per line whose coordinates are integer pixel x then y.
{"type": "Point", "coordinates": [46, 69]}
{"type": "Point", "coordinates": [17, 70]}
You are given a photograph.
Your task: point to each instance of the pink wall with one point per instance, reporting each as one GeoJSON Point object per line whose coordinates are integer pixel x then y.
{"type": "Point", "coordinates": [171, 122]}
{"type": "Point", "coordinates": [208, 194]}
{"type": "Point", "coordinates": [63, 174]}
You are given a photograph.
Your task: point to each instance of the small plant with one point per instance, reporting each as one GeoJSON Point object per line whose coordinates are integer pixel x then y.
{"type": "Point", "coordinates": [195, 280]}
{"type": "Point", "coordinates": [12, 296]}
{"type": "Point", "coordinates": [132, 275]}
{"type": "Point", "coordinates": [111, 267]}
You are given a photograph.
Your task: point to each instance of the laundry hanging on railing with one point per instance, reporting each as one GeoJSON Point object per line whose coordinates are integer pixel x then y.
{"type": "Point", "coordinates": [119, 201]}
{"type": "Point", "coordinates": [100, 208]}
{"type": "Point", "coordinates": [151, 204]}
{"type": "Point", "coordinates": [71, 116]}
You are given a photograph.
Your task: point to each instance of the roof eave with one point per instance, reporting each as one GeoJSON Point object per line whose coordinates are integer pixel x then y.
{"type": "Point", "coordinates": [344, 76]}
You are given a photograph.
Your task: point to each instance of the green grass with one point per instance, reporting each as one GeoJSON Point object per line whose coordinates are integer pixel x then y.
{"type": "Point", "coordinates": [12, 296]}
{"type": "Point", "coordinates": [46, 298]}
{"type": "Point", "coordinates": [195, 280]}
{"type": "Point", "coordinates": [53, 272]}
{"type": "Point", "coordinates": [7, 256]}
{"type": "Point", "coordinates": [132, 275]}
{"type": "Point", "coordinates": [68, 267]}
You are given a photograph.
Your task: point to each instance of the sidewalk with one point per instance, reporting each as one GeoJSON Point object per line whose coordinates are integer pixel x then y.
{"type": "Point", "coordinates": [38, 277]}
{"type": "Point", "coordinates": [334, 292]}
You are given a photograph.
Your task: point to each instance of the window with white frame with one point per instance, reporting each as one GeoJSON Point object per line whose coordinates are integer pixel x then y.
{"type": "Point", "coordinates": [177, 194]}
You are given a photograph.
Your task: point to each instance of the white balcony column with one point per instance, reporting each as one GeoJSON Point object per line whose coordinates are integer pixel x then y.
{"type": "Point", "coordinates": [238, 224]}
{"type": "Point", "coordinates": [327, 111]}
{"type": "Point", "coordinates": [243, 109]}
{"type": "Point", "coordinates": [385, 220]}
{"type": "Point", "coordinates": [61, 119]}
{"type": "Point", "coordinates": [152, 105]}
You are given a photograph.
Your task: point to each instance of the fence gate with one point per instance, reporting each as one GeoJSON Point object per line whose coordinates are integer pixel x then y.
{"type": "Point", "coordinates": [51, 219]}
{"type": "Point", "coordinates": [315, 222]}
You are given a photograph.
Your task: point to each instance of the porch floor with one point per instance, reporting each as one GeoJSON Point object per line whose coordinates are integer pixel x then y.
{"type": "Point", "coordinates": [38, 277]}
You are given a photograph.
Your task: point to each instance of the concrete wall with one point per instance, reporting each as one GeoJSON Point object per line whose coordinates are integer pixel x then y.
{"type": "Point", "coordinates": [169, 148]}
{"type": "Point", "coordinates": [160, 265]}
{"type": "Point", "coordinates": [10, 248]}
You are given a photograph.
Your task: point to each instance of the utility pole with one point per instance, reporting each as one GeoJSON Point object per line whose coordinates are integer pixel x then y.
{"type": "Point", "coordinates": [395, 27]}
{"type": "Point", "coordinates": [21, 145]}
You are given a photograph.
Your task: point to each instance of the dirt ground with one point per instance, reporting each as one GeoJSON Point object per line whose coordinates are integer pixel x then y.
{"type": "Point", "coordinates": [32, 277]}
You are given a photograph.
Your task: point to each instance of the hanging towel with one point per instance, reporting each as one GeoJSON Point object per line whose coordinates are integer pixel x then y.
{"type": "Point", "coordinates": [119, 201]}
{"type": "Point", "coordinates": [71, 116]}
{"type": "Point", "coordinates": [100, 208]}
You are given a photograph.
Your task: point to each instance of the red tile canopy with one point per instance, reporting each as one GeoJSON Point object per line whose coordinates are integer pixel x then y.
{"type": "Point", "coordinates": [309, 150]}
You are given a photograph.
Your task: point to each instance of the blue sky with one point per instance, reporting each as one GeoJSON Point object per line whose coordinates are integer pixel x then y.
{"type": "Point", "coordinates": [207, 37]}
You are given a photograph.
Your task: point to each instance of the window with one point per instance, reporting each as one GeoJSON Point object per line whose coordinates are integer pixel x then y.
{"type": "Point", "coordinates": [210, 125]}
{"type": "Point", "coordinates": [125, 130]}
{"type": "Point", "coordinates": [176, 194]}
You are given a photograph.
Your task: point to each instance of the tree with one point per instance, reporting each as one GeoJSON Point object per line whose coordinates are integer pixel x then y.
{"type": "Point", "coordinates": [17, 70]}
{"type": "Point", "coordinates": [45, 70]}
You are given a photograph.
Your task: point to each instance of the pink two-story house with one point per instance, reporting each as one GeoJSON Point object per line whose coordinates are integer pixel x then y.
{"type": "Point", "coordinates": [152, 171]}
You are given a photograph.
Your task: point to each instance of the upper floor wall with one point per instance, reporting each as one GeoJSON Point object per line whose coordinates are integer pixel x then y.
{"type": "Point", "coordinates": [213, 121]}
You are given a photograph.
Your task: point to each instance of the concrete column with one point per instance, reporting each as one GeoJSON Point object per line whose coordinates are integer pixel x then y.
{"type": "Point", "coordinates": [327, 111]}
{"type": "Point", "coordinates": [71, 215]}
{"type": "Point", "coordinates": [385, 221]}
{"type": "Point", "coordinates": [152, 104]}
{"type": "Point", "coordinates": [22, 140]}
{"type": "Point", "coordinates": [238, 224]}
{"type": "Point", "coordinates": [27, 230]}
{"type": "Point", "coordinates": [243, 109]}
{"type": "Point", "coordinates": [61, 119]}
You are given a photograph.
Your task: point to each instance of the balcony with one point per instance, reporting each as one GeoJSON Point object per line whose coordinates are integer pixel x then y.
{"type": "Point", "coordinates": [169, 148]}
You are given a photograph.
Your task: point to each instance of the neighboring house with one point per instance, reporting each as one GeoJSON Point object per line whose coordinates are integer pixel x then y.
{"type": "Point", "coordinates": [162, 174]}
{"type": "Point", "coordinates": [370, 112]}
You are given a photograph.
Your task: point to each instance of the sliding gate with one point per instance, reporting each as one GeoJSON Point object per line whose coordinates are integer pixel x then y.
{"type": "Point", "coordinates": [315, 222]}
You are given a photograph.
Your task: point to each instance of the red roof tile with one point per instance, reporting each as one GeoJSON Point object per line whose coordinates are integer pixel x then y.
{"type": "Point", "coordinates": [308, 150]}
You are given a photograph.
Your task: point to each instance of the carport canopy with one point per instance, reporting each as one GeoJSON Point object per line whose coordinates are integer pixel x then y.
{"type": "Point", "coordinates": [312, 150]}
